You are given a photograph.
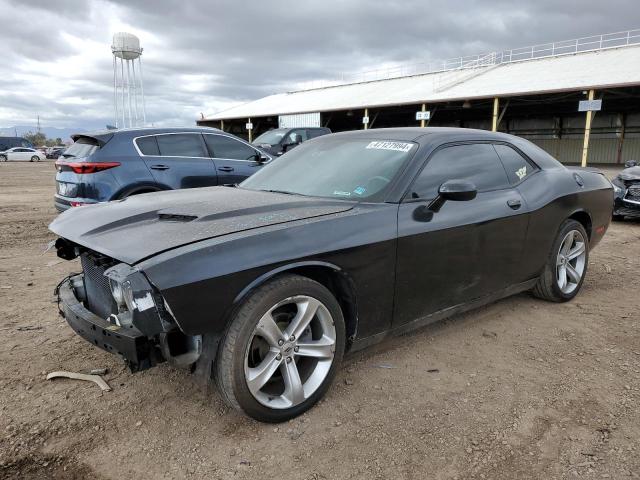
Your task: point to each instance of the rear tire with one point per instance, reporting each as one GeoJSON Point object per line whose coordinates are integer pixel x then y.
{"type": "Point", "coordinates": [566, 266]}
{"type": "Point", "coordinates": [282, 349]}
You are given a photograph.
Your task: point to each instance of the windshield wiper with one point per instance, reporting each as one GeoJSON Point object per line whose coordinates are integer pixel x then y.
{"type": "Point", "coordinates": [284, 192]}
{"type": "Point", "coordinates": [67, 155]}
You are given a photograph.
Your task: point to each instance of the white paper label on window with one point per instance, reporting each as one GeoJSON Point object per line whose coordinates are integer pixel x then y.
{"type": "Point", "coordinates": [396, 146]}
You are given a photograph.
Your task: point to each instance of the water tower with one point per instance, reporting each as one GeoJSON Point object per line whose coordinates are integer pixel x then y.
{"type": "Point", "coordinates": [128, 91]}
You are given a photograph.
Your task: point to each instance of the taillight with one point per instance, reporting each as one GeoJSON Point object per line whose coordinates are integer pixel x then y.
{"type": "Point", "coordinates": [86, 167]}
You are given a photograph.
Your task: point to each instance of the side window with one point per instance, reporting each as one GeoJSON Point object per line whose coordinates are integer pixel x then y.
{"type": "Point", "coordinates": [314, 132]}
{"type": "Point", "coordinates": [302, 133]}
{"type": "Point", "coordinates": [224, 147]}
{"type": "Point", "coordinates": [148, 145]}
{"type": "Point", "coordinates": [180, 145]}
{"type": "Point", "coordinates": [477, 163]}
{"type": "Point", "coordinates": [516, 165]}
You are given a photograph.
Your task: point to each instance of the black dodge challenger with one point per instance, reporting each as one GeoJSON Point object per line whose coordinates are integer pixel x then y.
{"type": "Point", "coordinates": [346, 240]}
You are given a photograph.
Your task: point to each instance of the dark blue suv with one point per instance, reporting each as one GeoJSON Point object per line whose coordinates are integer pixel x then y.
{"type": "Point", "coordinates": [113, 164]}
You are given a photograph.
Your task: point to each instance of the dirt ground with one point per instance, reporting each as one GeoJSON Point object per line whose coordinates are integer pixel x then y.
{"type": "Point", "coordinates": [517, 389]}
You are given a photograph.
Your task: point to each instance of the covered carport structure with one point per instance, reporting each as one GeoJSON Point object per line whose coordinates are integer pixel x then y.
{"type": "Point", "coordinates": [579, 100]}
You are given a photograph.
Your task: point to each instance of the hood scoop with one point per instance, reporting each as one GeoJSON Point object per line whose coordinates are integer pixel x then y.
{"type": "Point", "coordinates": [176, 217]}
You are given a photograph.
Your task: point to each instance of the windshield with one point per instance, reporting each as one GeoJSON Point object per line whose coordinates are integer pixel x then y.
{"type": "Point", "coordinates": [334, 167]}
{"type": "Point", "coordinates": [272, 137]}
{"type": "Point", "coordinates": [82, 148]}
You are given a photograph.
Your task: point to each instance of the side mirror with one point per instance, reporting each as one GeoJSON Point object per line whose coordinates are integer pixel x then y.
{"type": "Point", "coordinates": [630, 163]}
{"type": "Point", "coordinates": [297, 139]}
{"type": "Point", "coordinates": [260, 157]}
{"type": "Point", "coordinates": [454, 190]}
{"type": "Point", "coordinates": [458, 190]}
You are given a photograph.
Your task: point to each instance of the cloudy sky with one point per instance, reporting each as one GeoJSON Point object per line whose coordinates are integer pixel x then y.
{"type": "Point", "coordinates": [207, 55]}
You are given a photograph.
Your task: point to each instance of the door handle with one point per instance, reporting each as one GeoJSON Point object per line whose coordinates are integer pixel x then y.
{"type": "Point", "coordinates": [514, 203]}
{"type": "Point", "coordinates": [159, 167]}
{"type": "Point", "coordinates": [225, 169]}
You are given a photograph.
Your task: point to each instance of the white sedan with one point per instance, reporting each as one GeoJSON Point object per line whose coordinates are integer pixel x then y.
{"type": "Point", "coordinates": [22, 154]}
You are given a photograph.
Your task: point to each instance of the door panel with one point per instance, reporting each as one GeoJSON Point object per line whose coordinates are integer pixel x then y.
{"type": "Point", "coordinates": [235, 171]}
{"type": "Point", "coordinates": [467, 250]}
{"type": "Point", "coordinates": [182, 162]}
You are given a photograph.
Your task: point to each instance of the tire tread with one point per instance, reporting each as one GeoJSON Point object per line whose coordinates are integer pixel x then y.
{"type": "Point", "coordinates": [545, 289]}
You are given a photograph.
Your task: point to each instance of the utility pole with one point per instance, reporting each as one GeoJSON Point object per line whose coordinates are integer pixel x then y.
{"type": "Point", "coordinates": [38, 123]}
{"type": "Point", "coordinates": [587, 131]}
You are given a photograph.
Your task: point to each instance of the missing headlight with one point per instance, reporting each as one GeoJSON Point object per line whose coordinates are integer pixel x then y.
{"type": "Point", "coordinates": [122, 294]}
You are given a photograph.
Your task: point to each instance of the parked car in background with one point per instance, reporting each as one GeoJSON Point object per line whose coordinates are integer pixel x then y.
{"type": "Point", "coordinates": [343, 242]}
{"type": "Point", "coordinates": [115, 164]}
{"type": "Point", "coordinates": [22, 154]}
{"type": "Point", "coordinates": [626, 192]}
{"type": "Point", "coordinates": [54, 153]}
{"type": "Point", "coordinates": [280, 140]}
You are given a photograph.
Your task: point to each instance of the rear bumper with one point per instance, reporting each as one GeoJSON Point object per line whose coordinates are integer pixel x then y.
{"type": "Point", "coordinates": [61, 204]}
{"type": "Point", "coordinates": [64, 203]}
{"type": "Point", "coordinates": [138, 352]}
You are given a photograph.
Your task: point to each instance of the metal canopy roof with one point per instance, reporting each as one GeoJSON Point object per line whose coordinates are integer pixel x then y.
{"type": "Point", "coordinates": [606, 68]}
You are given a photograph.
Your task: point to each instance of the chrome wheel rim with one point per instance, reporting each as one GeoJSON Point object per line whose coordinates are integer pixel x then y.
{"type": "Point", "coordinates": [290, 352]}
{"type": "Point", "coordinates": [571, 261]}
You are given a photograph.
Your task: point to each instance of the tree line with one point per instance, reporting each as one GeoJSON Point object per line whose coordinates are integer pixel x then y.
{"type": "Point", "coordinates": [38, 139]}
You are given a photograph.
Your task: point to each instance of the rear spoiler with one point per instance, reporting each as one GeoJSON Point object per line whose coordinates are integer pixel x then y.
{"type": "Point", "coordinates": [586, 169]}
{"type": "Point", "coordinates": [100, 138]}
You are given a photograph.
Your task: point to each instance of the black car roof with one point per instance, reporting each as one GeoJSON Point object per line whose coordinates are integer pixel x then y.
{"type": "Point", "coordinates": [431, 137]}
{"type": "Point", "coordinates": [420, 134]}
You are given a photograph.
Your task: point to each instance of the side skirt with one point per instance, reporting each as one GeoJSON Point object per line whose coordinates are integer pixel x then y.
{"type": "Point", "coordinates": [361, 343]}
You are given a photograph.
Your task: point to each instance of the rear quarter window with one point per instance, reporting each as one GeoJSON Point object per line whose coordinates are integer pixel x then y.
{"type": "Point", "coordinates": [148, 145]}
{"type": "Point", "coordinates": [517, 167]}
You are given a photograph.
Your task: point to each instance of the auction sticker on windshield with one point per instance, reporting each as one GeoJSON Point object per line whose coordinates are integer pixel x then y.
{"type": "Point", "coordinates": [396, 146]}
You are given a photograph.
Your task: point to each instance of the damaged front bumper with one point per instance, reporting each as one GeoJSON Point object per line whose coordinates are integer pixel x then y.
{"type": "Point", "coordinates": [136, 349]}
{"type": "Point", "coordinates": [626, 208]}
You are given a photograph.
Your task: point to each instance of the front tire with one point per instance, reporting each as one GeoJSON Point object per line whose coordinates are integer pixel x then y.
{"type": "Point", "coordinates": [566, 266]}
{"type": "Point", "coordinates": [3, 158]}
{"type": "Point", "coordinates": [281, 350]}
{"type": "Point", "coordinates": [35, 159]}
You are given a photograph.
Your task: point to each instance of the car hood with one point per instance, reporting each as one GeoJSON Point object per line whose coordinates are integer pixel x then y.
{"type": "Point", "coordinates": [631, 173]}
{"type": "Point", "coordinates": [141, 226]}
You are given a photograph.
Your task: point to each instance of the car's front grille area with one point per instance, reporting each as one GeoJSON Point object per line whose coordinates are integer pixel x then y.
{"type": "Point", "coordinates": [99, 298]}
{"type": "Point", "coordinates": [634, 191]}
